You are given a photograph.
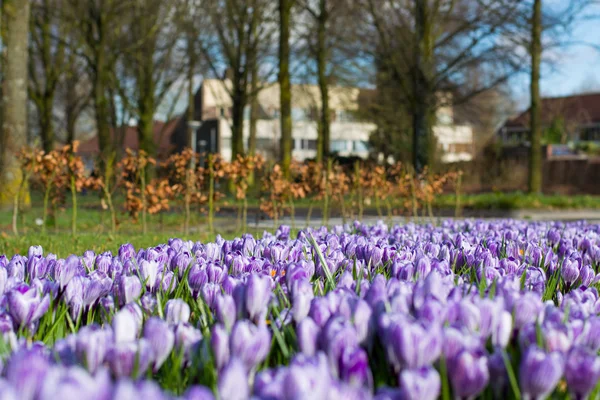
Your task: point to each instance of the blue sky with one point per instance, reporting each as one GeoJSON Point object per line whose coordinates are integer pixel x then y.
{"type": "Point", "coordinates": [576, 68]}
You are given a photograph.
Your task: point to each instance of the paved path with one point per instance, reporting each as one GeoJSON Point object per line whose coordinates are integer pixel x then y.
{"type": "Point", "coordinates": [533, 215]}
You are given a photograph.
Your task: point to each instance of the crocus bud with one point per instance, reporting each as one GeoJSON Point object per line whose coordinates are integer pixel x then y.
{"type": "Point", "coordinates": [149, 272]}
{"type": "Point", "coordinates": [130, 289]}
{"type": "Point", "coordinates": [354, 367]}
{"type": "Point", "coordinates": [26, 370]}
{"type": "Point", "coordinates": [35, 251]}
{"type": "Point", "coordinates": [161, 340]}
{"type": "Point", "coordinates": [582, 371]}
{"type": "Point", "coordinates": [469, 374]}
{"type": "Point", "coordinates": [258, 293]}
{"type": "Point", "coordinates": [219, 342]}
{"type": "Point", "coordinates": [124, 326]}
{"type": "Point", "coordinates": [127, 358]}
{"type": "Point", "coordinates": [233, 381]}
{"type": "Point", "coordinates": [570, 271]}
{"type": "Point", "coordinates": [91, 346]}
{"type": "Point", "coordinates": [302, 295]}
{"type": "Point", "coordinates": [420, 384]}
{"type": "Point", "coordinates": [540, 372]}
{"type": "Point", "coordinates": [177, 311]}
{"type": "Point", "coordinates": [250, 343]}
{"type": "Point", "coordinates": [307, 333]}
{"type": "Point", "coordinates": [126, 252]}
{"type": "Point", "coordinates": [225, 310]}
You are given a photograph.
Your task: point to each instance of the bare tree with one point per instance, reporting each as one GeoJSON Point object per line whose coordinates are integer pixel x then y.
{"type": "Point", "coordinates": [99, 25]}
{"type": "Point", "coordinates": [46, 63]}
{"type": "Point", "coordinates": [242, 28]}
{"type": "Point", "coordinates": [426, 47]}
{"type": "Point", "coordinates": [151, 65]}
{"type": "Point", "coordinates": [14, 95]}
{"type": "Point", "coordinates": [285, 88]}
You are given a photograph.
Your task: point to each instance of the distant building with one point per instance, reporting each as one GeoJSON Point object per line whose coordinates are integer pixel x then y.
{"type": "Point", "coordinates": [349, 134]}
{"type": "Point", "coordinates": [213, 106]}
{"type": "Point", "coordinates": [576, 117]}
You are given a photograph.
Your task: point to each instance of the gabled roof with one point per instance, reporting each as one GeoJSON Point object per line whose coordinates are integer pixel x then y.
{"type": "Point", "coordinates": [162, 136]}
{"type": "Point", "coordinates": [581, 109]}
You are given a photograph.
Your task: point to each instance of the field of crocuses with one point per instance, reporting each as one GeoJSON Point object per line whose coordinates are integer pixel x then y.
{"type": "Point", "coordinates": [469, 309]}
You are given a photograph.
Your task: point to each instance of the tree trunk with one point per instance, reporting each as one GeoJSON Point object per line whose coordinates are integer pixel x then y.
{"type": "Point", "coordinates": [102, 106]}
{"type": "Point", "coordinates": [253, 111]}
{"type": "Point", "coordinates": [323, 141]}
{"type": "Point", "coordinates": [46, 126]}
{"type": "Point", "coordinates": [424, 105]}
{"type": "Point", "coordinates": [535, 150]}
{"type": "Point", "coordinates": [285, 96]}
{"type": "Point", "coordinates": [191, 98]}
{"type": "Point", "coordinates": [237, 129]}
{"type": "Point", "coordinates": [14, 101]}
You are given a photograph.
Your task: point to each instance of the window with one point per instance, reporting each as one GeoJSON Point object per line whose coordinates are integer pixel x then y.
{"type": "Point", "coordinates": [247, 113]}
{"type": "Point", "coordinates": [222, 112]}
{"type": "Point", "coordinates": [309, 144]}
{"type": "Point", "coordinates": [345, 116]}
{"type": "Point", "coordinates": [360, 146]}
{"type": "Point", "coordinates": [338, 145]}
{"type": "Point", "coordinates": [299, 114]}
{"type": "Point", "coordinates": [264, 143]}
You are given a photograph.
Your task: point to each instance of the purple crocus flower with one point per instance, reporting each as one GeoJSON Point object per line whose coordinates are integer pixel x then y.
{"type": "Point", "coordinates": [582, 371]}
{"type": "Point", "coordinates": [177, 311]}
{"type": "Point", "coordinates": [199, 393]}
{"type": "Point", "coordinates": [125, 326]}
{"type": "Point", "coordinates": [161, 340]}
{"type": "Point", "coordinates": [26, 370]}
{"type": "Point", "coordinates": [126, 252]}
{"type": "Point", "coordinates": [225, 310]}
{"type": "Point", "coordinates": [469, 374]}
{"type": "Point", "coordinates": [149, 271]}
{"type": "Point", "coordinates": [307, 333]}
{"type": "Point", "coordinates": [539, 373]}
{"type": "Point", "coordinates": [25, 305]}
{"type": "Point", "coordinates": [127, 359]}
{"type": "Point", "coordinates": [91, 346]}
{"type": "Point", "coordinates": [354, 367]}
{"type": "Point", "coordinates": [250, 343]}
{"type": "Point", "coordinates": [420, 384]}
{"type": "Point", "coordinates": [75, 383]}
{"type": "Point", "coordinates": [302, 295]}
{"type": "Point", "coordinates": [570, 271]}
{"type": "Point", "coordinates": [219, 342]}
{"type": "Point", "coordinates": [413, 345]}
{"type": "Point", "coordinates": [257, 295]}
{"type": "Point", "coordinates": [233, 381]}
{"type": "Point", "coordinates": [130, 289]}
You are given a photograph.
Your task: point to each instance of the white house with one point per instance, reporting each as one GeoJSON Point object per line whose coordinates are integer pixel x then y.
{"type": "Point", "coordinates": [349, 135]}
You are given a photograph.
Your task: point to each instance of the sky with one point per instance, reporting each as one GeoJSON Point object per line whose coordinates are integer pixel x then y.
{"type": "Point", "coordinates": [576, 68]}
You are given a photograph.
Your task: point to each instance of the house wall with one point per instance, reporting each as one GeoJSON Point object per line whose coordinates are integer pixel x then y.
{"type": "Point", "coordinates": [347, 137]}
{"type": "Point", "coordinates": [456, 142]}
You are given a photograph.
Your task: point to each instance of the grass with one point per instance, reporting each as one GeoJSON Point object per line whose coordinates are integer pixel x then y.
{"type": "Point", "coordinates": [519, 200]}
{"type": "Point", "coordinates": [93, 223]}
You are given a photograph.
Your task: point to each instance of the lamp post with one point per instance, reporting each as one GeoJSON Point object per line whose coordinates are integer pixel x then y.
{"type": "Point", "coordinates": [194, 126]}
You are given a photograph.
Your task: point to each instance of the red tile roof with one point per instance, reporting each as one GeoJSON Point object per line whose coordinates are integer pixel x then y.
{"type": "Point", "coordinates": [579, 109]}
{"type": "Point", "coordinates": [162, 136]}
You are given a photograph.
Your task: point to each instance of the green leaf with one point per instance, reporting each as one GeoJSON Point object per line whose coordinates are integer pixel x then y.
{"type": "Point", "coordinates": [511, 376]}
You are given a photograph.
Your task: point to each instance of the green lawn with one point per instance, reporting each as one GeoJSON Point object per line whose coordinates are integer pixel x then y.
{"type": "Point", "coordinates": [93, 223]}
